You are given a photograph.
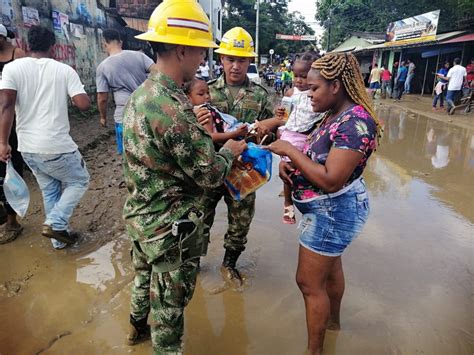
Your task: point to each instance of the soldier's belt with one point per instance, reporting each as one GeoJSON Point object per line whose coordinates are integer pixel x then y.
{"type": "Point", "coordinates": [191, 244]}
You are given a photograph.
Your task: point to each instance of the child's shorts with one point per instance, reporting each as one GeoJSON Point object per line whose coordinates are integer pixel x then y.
{"type": "Point", "coordinates": [298, 140]}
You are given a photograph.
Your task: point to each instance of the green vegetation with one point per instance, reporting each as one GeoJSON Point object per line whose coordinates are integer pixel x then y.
{"type": "Point", "coordinates": [374, 15]}
{"type": "Point", "coordinates": [274, 18]}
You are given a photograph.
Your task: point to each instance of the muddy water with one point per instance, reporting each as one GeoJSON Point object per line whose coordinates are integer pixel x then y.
{"type": "Point", "coordinates": [409, 275]}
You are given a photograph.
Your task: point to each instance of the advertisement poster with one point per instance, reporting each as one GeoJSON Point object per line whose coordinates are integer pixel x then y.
{"type": "Point", "coordinates": [30, 16]}
{"type": "Point", "coordinates": [64, 21]}
{"type": "Point", "coordinates": [7, 14]}
{"type": "Point", "coordinates": [296, 37]}
{"type": "Point", "coordinates": [101, 22]}
{"type": "Point", "coordinates": [56, 21]}
{"type": "Point", "coordinates": [413, 29]}
{"type": "Point", "coordinates": [77, 30]}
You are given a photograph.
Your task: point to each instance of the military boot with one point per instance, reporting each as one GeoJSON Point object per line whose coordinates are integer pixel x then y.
{"type": "Point", "coordinates": [139, 331]}
{"type": "Point", "coordinates": [229, 270]}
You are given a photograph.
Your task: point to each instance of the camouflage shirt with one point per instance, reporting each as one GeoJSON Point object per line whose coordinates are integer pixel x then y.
{"type": "Point", "coordinates": [169, 159]}
{"type": "Point", "coordinates": [250, 104]}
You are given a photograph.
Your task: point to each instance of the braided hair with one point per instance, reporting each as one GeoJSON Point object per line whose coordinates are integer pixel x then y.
{"type": "Point", "coordinates": [345, 67]}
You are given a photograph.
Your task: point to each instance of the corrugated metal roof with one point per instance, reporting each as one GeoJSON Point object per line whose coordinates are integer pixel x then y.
{"type": "Point", "coordinates": [136, 23]}
{"type": "Point", "coordinates": [466, 38]}
{"type": "Point", "coordinates": [439, 38]}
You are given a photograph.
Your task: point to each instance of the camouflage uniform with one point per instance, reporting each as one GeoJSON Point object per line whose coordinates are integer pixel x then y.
{"type": "Point", "coordinates": [251, 104]}
{"type": "Point", "coordinates": [169, 160]}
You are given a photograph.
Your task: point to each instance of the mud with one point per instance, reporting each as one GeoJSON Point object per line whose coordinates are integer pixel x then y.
{"type": "Point", "coordinates": [409, 275]}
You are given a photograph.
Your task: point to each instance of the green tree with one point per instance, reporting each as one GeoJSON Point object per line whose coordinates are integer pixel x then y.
{"type": "Point", "coordinates": [274, 18]}
{"type": "Point", "coordinates": [346, 16]}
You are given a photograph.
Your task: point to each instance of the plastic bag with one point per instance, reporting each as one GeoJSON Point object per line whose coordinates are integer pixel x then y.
{"type": "Point", "coordinates": [16, 191]}
{"type": "Point", "coordinates": [254, 171]}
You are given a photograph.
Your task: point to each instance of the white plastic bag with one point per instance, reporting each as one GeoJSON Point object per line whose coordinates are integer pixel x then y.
{"type": "Point", "coordinates": [16, 191]}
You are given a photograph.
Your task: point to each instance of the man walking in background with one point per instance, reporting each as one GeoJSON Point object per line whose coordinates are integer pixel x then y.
{"type": "Point", "coordinates": [40, 86]}
{"type": "Point", "coordinates": [400, 80]}
{"type": "Point", "coordinates": [122, 73]}
{"type": "Point", "coordinates": [456, 77]}
{"type": "Point", "coordinates": [374, 80]}
{"type": "Point", "coordinates": [410, 75]}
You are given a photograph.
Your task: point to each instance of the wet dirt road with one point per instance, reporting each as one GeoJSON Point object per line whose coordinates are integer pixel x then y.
{"type": "Point", "coordinates": [409, 275]}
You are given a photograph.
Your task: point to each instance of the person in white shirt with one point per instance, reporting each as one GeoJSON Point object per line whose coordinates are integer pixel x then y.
{"type": "Point", "coordinates": [456, 78]}
{"type": "Point", "coordinates": [204, 70]}
{"type": "Point", "coordinates": [37, 89]}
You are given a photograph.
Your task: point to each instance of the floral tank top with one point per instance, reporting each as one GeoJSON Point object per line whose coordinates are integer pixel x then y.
{"type": "Point", "coordinates": [354, 129]}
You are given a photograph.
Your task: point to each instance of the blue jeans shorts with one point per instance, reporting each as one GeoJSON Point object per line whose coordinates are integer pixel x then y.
{"type": "Point", "coordinates": [119, 137]}
{"type": "Point", "coordinates": [330, 223]}
{"type": "Point", "coordinates": [375, 85]}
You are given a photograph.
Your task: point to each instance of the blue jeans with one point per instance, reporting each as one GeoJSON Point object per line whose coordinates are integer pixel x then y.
{"type": "Point", "coordinates": [451, 96]}
{"type": "Point", "coordinates": [63, 180]}
{"type": "Point", "coordinates": [408, 83]}
{"type": "Point", "coordinates": [119, 137]}
{"type": "Point", "coordinates": [439, 97]}
{"type": "Point", "coordinates": [330, 224]}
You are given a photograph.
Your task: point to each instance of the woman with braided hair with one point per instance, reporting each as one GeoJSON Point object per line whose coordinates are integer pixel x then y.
{"type": "Point", "coordinates": [327, 187]}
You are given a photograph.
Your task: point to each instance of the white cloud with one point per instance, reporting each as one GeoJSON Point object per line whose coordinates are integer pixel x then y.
{"type": "Point", "coordinates": [308, 9]}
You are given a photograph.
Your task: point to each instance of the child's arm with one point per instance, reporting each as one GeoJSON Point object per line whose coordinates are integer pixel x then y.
{"type": "Point", "coordinates": [289, 92]}
{"type": "Point", "coordinates": [224, 137]}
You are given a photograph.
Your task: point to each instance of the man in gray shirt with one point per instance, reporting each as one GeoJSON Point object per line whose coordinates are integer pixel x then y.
{"type": "Point", "coordinates": [122, 73]}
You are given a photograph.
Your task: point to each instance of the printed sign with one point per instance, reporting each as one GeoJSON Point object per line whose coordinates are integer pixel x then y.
{"type": "Point", "coordinates": [77, 30]}
{"type": "Point", "coordinates": [64, 20]}
{"type": "Point", "coordinates": [56, 20]}
{"type": "Point", "coordinates": [30, 16]}
{"type": "Point", "coordinates": [7, 14]}
{"type": "Point", "coordinates": [296, 37]}
{"type": "Point", "coordinates": [413, 29]}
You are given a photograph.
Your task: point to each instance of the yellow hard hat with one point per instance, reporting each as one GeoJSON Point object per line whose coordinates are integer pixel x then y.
{"type": "Point", "coordinates": [181, 22]}
{"type": "Point", "coordinates": [237, 42]}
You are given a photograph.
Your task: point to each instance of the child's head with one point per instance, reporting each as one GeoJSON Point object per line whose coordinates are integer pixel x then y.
{"type": "Point", "coordinates": [197, 91]}
{"type": "Point", "coordinates": [301, 68]}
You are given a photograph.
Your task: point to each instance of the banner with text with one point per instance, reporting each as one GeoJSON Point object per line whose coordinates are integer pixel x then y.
{"type": "Point", "coordinates": [413, 29]}
{"type": "Point", "coordinates": [296, 37]}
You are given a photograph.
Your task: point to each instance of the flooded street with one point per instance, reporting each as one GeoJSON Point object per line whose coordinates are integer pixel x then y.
{"type": "Point", "coordinates": [408, 276]}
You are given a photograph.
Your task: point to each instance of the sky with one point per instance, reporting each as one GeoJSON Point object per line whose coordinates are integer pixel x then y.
{"type": "Point", "coordinates": [308, 9]}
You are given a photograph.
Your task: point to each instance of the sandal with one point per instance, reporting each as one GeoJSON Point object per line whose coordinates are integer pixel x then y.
{"type": "Point", "coordinates": [9, 234]}
{"type": "Point", "coordinates": [289, 215]}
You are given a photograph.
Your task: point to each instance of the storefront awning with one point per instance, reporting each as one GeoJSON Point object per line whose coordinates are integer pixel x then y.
{"type": "Point", "coordinates": [439, 51]}
{"type": "Point", "coordinates": [466, 38]}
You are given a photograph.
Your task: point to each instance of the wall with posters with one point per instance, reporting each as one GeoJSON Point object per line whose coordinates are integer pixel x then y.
{"type": "Point", "coordinates": [77, 24]}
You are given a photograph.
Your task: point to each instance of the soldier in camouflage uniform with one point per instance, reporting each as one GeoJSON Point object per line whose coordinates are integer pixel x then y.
{"type": "Point", "coordinates": [169, 161]}
{"type": "Point", "coordinates": [233, 93]}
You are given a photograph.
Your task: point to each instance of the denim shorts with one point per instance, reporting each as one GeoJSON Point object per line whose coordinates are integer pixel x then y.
{"type": "Point", "coordinates": [330, 224]}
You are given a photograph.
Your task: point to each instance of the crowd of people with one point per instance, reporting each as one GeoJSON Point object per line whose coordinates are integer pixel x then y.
{"type": "Point", "coordinates": [451, 82]}
{"type": "Point", "coordinates": [177, 152]}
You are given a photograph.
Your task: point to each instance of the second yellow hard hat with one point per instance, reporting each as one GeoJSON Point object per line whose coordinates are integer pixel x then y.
{"type": "Point", "coordinates": [237, 42]}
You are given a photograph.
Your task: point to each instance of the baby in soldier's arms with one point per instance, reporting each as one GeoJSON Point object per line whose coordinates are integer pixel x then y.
{"type": "Point", "coordinates": [220, 127]}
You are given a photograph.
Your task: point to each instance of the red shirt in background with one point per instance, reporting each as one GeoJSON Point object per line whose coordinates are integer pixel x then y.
{"type": "Point", "coordinates": [470, 72]}
{"type": "Point", "coordinates": [386, 75]}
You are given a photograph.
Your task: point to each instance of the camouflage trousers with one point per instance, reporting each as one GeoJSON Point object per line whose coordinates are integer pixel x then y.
{"type": "Point", "coordinates": [239, 216]}
{"type": "Point", "coordinates": [164, 295]}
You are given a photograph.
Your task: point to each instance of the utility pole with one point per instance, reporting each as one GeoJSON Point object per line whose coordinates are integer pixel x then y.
{"type": "Point", "coordinates": [329, 29]}
{"type": "Point", "coordinates": [257, 21]}
{"type": "Point", "coordinates": [211, 51]}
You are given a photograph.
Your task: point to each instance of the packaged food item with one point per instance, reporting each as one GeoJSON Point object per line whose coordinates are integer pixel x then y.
{"type": "Point", "coordinates": [286, 102]}
{"type": "Point", "coordinates": [252, 171]}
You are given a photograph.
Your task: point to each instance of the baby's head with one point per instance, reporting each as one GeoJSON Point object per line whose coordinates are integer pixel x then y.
{"type": "Point", "coordinates": [197, 91]}
{"type": "Point", "coordinates": [301, 68]}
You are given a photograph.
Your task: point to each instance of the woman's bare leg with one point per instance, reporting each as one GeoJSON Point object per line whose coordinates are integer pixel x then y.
{"type": "Point", "coordinates": [335, 286]}
{"type": "Point", "coordinates": [311, 276]}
